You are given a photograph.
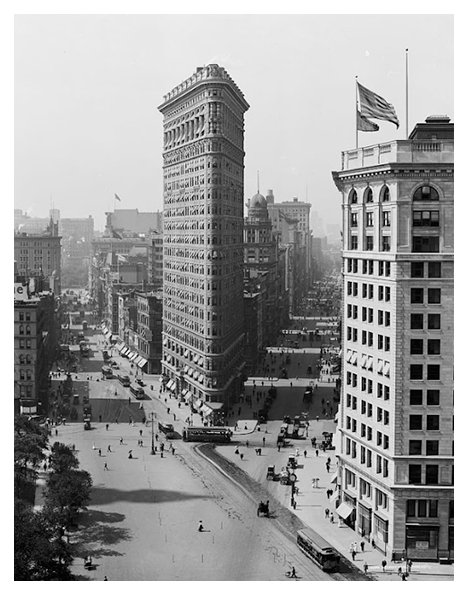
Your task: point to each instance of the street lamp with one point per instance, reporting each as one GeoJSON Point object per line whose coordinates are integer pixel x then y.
{"type": "Point", "coordinates": [153, 452]}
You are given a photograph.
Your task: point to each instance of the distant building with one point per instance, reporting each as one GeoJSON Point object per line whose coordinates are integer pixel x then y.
{"type": "Point", "coordinates": [155, 258]}
{"type": "Point", "coordinates": [35, 343]}
{"type": "Point", "coordinates": [39, 256]}
{"type": "Point", "coordinates": [77, 236]}
{"type": "Point", "coordinates": [131, 220]}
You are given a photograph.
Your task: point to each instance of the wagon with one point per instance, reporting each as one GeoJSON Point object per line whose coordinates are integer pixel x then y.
{"type": "Point", "coordinates": [271, 472]}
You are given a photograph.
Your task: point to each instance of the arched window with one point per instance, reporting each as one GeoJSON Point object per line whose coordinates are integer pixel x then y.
{"type": "Point", "coordinates": [21, 358]}
{"type": "Point", "coordinates": [28, 374]}
{"type": "Point", "coordinates": [21, 329]}
{"type": "Point", "coordinates": [385, 194]}
{"type": "Point", "coordinates": [426, 193]}
{"type": "Point", "coordinates": [368, 195]}
{"type": "Point", "coordinates": [353, 196]}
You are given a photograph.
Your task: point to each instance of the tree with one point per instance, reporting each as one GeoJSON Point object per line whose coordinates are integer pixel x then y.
{"type": "Point", "coordinates": [62, 458]}
{"type": "Point", "coordinates": [30, 442]}
{"type": "Point", "coordinates": [39, 553]}
{"type": "Point", "coordinates": [66, 493]}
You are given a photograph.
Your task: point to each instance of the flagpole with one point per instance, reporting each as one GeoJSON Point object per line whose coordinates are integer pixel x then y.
{"type": "Point", "coordinates": [357, 142]}
{"type": "Point", "coordinates": [406, 92]}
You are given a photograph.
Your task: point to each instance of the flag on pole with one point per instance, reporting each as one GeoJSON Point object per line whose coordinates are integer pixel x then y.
{"type": "Point", "coordinates": [374, 106]}
{"type": "Point", "coordinates": [117, 197]}
{"type": "Point", "coordinates": [365, 125]}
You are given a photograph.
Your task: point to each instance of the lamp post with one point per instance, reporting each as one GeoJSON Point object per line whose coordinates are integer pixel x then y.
{"type": "Point", "coordinates": [153, 452]}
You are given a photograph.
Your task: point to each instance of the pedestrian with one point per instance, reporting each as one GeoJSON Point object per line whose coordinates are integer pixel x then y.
{"type": "Point", "coordinates": [384, 563]}
{"type": "Point", "coordinates": [316, 453]}
{"type": "Point", "coordinates": [107, 427]}
{"type": "Point", "coordinates": [332, 518]}
{"type": "Point", "coordinates": [366, 567]}
{"type": "Point", "coordinates": [327, 465]}
{"type": "Point", "coordinates": [305, 454]}
{"type": "Point", "coordinates": [109, 448]}
{"type": "Point", "coordinates": [99, 452]}
{"type": "Point", "coordinates": [353, 555]}
{"type": "Point", "coordinates": [404, 576]}
{"type": "Point", "coordinates": [105, 578]}
{"type": "Point", "coordinates": [327, 513]}
{"type": "Point", "coordinates": [241, 455]}
{"type": "Point", "coordinates": [362, 546]}
{"type": "Point", "coordinates": [409, 565]}
{"type": "Point", "coordinates": [121, 441]}
{"type": "Point", "coordinates": [200, 527]}
{"type": "Point", "coordinates": [263, 440]}
{"type": "Point", "coordinates": [247, 444]}
{"type": "Point", "coordinates": [141, 432]}
{"type": "Point", "coordinates": [56, 432]}
{"type": "Point", "coordinates": [105, 467]}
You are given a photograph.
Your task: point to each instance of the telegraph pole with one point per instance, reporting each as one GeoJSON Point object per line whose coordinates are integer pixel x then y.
{"type": "Point", "coordinates": [153, 452]}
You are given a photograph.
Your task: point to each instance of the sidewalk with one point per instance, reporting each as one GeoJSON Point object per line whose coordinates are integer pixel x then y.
{"type": "Point", "coordinates": [311, 503]}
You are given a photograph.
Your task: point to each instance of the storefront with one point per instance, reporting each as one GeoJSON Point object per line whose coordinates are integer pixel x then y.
{"type": "Point", "coordinates": [364, 520]}
{"type": "Point", "coordinates": [422, 541]}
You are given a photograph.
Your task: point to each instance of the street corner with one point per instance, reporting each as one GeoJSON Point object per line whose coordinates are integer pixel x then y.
{"type": "Point", "coordinates": [244, 427]}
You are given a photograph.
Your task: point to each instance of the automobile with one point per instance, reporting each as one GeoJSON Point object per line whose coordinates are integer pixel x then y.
{"type": "Point", "coordinates": [140, 382]}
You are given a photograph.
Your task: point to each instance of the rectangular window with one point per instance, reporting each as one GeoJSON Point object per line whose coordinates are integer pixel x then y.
{"type": "Point", "coordinates": [350, 287]}
{"type": "Point", "coordinates": [433, 508]}
{"type": "Point", "coordinates": [425, 244]}
{"type": "Point", "coordinates": [379, 341]}
{"type": "Point", "coordinates": [417, 270]}
{"type": "Point", "coordinates": [411, 508]}
{"type": "Point", "coordinates": [417, 321]}
{"type": "Point", "coordinates": [370, 388]}
{"type": "Point", "coordinates": [378, 466]}
{"type": "Point", "coordinates": [370, 311]}
{"type": "Point", "coordinates": [354, 403]}
{"type": "Point", "coordinates": [364, 314]}
{"type": "Point", "coordinates": [364, 290]}
{"type": "Point", "coordinates": [433, 372]}
{"type": "Point", "coordinates": [432, 448]}
{"type": "Point", "coordinates": [350, 310]}
{"type": "Point", "coordinates": [369, 242]}
{"type": "Point", "coordinates": [425, 218]}
{"type": "Point", "coordinates": [386, 219]}
{"type": "Point", "coordinates": [387, 294]}
{"type": "Point", "coordinates": [433, 295]}
{"type": "Point", "coordinates": [363, 384]}
{"type": "Point", "coordinates": [416, 397]}
{"type": "Point", "coordinates": [387, 318]}
{"type": "Point", "coordinates": [386, 244]}
{"type": "Point", "coordinates": [387, 344]}
{"type": "Point", "coordinates": [354, 242]}
{"type": "Point", "coordinates": [355, 265]}
{"type": "Point", "coordinates": [364, 337]}
{"type": "Point", "coordinates": [355, 289]}
{"type": "Point", "coordinates": [386, 418]}
{"type": "Point", "coordinates": [416, 372]}
{"type": "Point", "coordinates": [386, 442]}
{"type": "Point", "coordinates": [370, 219]}
{"type": "Point", "coordinates": [416, 347]}
{"type": "Point", "coordinates": [364, 267]}
{"type": "Point", "coordinates": [379, 438]}
{"type": "Point", "coordinates": [385, 474]}
{"type": "Point", "coordinates": [388, 266]}
{"type": "Point", "coordinates": [414, 474]}
{"type": "Point", "coordinates": [433, 346]}
{"type": "Point", "coordinates": [415, 422]}
{"type": "Point", "coordinates": [433, 397]}
{"type": "Point", "coordinates": [380, 316]}
{"type": "Point", "coordinates": [433, 321]}
{"type": "Point", "coordinates": [432, 422]}
{"type": "Point", "coordinates": [434, 270]}
{"type": "Point", "coordinates": [371, 267]}
{"type": "Point", "coordinates": [354, 219]}
{"type": "Point", "coordinates": [415, 447]}
{"type": "Point", "coordinates": [370, 338]}
{"type": "Point", "coordinates": [381, 268]}
{"type": "Point", "coordinates": [369, 409]}
{"type": "Point", "coordinates": [432, 475]}
{"type": "Point", "coordinates": [381, 292]}
{"type": "Point", "coordinates": [386, 393]}
{"type": "Point", "coordinates": [355, 312]}
{"type": "Point", "coordinates": [371, 293]}
{"type": "Point", "coordinates": [417, 295]}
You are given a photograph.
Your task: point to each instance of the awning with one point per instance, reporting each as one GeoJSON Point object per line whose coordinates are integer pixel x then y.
{"type": "Point", "coordinates": [186, 369]}
{"type": "Point", "coordinates": [134, 357]}
{"type": "Point", "coordinates": [121, 347]}
{"type": "Point", "coordinates": [349, 355]}
{"type": "Point", "coordinates": [379, 366]}
{"type": "Point", "coordinates": [335, 496]}
{"type": "Point", "coordinates": [141, 363]}
{"type": "Point", "coordinates": [206, 410]}
{"type": "Point", "coordinates": [334, 478]}
{"type": "Point", "coordinates": [354, 358]}
{"type": "Point", "coordinates": [195, 376]}
{"type": "Point", "coordinates": [199, 403]}
{"type": "Point", "coordinates": [386, 368]}
{"type": "Point", "coordinates": [107, 334]}
{"type": "Point", "coordinates": [125, 351]}
{"type": "Point", "coordinates": [344, 510]}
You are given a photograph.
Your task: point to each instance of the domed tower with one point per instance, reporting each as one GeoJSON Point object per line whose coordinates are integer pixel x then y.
{"type": "Point", "coordinates": [260, 248]}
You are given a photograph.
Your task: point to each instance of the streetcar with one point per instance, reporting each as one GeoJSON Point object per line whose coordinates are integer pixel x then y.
{"type": "Point", "coordinates": [317, 549]}
{"type": "Point", "coordinates": [107, 372]}
{"type": "Point", "coordinates": [124, 379]}
{"type": "Point", "coordinates": [137, 391]}
{"type": "Point", "coordinates": [167, 429]}
{"type": "Point", "coordinates": [209, 434]}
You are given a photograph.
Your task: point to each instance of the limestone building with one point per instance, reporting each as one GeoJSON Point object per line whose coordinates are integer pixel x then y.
{"type": "Point", "coordinates": [396, 414]}
{"type": "Point", "coordinates": [203, 158]}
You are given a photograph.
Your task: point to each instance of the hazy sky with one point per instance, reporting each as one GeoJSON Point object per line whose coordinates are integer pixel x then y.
{"type": "Point", "coordinates": [87, 89]}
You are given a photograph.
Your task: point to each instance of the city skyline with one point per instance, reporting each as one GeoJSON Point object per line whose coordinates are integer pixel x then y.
{"type": "Point", "coordinates": [86, 120]}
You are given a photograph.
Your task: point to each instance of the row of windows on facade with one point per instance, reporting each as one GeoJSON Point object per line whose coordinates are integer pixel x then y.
{"type": "Point", "coordinates": [366, 458]}
{"type": "Point", "coordinates": [420, 218]}
{"type": "Point", "coordinates": [367, 338]}
{"type": "Point", "coordinates": [420, 244]}
{"type": "Point", "coordinates": [383, 316]}
{"type": "Point", "coordinates": [423, 193]}
{"type": "Point", "coordinates": [367, 291]}
{"type": "Point", "coordinates": [367, 386]}
{"type": "Point", "coordinates": [26, 374]}
{"type": "Point", "coordinates": [367, 409]}
{"type": "Point", "coordinates": [365, 489]}
{"type": "Point", "coordinates": [367, 266]}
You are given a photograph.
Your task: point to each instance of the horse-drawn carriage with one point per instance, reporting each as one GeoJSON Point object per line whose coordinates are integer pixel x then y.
{"type": "Point", "coordinates": [263, 508]}
{"type": "Point", "coordinates": [271, 472]}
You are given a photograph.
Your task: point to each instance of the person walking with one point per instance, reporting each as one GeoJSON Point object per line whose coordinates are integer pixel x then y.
{"type": "Point", "coordinates": [353, 555]}
{"type": "Point", "coordinates": [366, 567]}
{"type": "Point", "coordinates": [384, 564]}
{"type": "Point", "coordinates": [200, 527]}
{"type": "Point", "coordinates": [362, 546]}
{"type": "Point", "coordinates": [327, 513]}
{"type": "Point", "coordinates": [109, 448]}
{"type": "Point", "coordinates": [121, 441]}
{"type": "Point", "coordinates": [316, 453]}
{"type": "Point", "coordinates": [99, 452]}
{"type": "Point", "coordinates": [106, 467]}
